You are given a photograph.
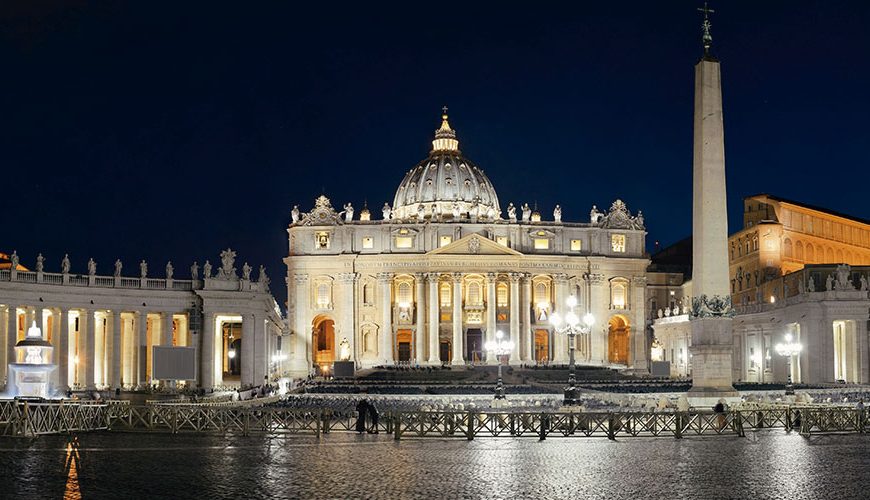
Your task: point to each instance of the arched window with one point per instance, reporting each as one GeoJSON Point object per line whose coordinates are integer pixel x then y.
{"type": "Point", "coordinates": [368, 294]}
{"type": "Point", "coordinates": [404, 295]}
{"type": "Point", "coordinates": [444, 292]}
{"type": "Point", "coordinates": [787, 248]}
{"type": "Point", "coordinates": [618, 294]}
{"type": "Point", "coordinates": [542, 292]}
{"type": "Point", "coordinates": [799, 250]}
{"type": "Point", "coordinates": [501, 295]}
{"type": "Point", "coordinates": [323, 295]}
{"type": "Point", "coordinates": [811, 254]}
{"type": "Point", "coordinates": [475, 297]}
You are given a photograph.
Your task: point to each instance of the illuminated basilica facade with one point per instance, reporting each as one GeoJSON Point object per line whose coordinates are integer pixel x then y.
{"type": "Point", "coordinates": [443, 268]}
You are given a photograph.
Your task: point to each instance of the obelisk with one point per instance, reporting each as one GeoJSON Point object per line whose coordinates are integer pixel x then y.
{"type": "Point", "coordinates": [711, 304]}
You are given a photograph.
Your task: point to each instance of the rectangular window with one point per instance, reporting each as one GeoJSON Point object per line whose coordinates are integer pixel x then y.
{"type": "Point", "coordinates": [542, 243]}
{"type": "Point", "coordinates": [617, 243]}
{"type": "Point", "coordinates": [445, 240]}
{"type": "Point", "coordinates": [576, 245]}
{"type": "Point", "coordinates": [368, 242]}
{"type": "Point", "coordinates": [404, 242]}
{"type": "Point", "coordinates": [502, 240]}
{"type": "Point", "coordinates": [321, 241]}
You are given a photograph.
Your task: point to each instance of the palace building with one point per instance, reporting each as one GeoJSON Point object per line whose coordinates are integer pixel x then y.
{"type": "Point", "coordinates": [443, 268]}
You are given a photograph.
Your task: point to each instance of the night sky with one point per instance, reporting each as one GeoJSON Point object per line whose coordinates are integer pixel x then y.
{"type": "Point", "coordinates": [173, 130]}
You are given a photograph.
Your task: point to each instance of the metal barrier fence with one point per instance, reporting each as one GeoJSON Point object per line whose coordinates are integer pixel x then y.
{"type": "Point", "coordinates": [26, 418]}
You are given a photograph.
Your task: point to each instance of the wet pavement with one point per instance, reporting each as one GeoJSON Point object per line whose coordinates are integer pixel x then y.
{"type": "Point", "coordinates": [767, 464]}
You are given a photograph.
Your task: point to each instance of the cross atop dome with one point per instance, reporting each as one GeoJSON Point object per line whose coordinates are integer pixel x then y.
{"type": "Point", "coordinates": [445, 137]}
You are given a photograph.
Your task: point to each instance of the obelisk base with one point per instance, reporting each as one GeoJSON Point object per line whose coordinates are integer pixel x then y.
{"type": "Point", "coordinates": [711, 362]}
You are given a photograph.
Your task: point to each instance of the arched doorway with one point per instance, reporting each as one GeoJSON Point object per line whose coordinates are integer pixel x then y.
{"type": "Point", "coordinates": [542, 346]}
{"type": "Point", "coordinates": [617, 340]}
{"type": "Point", "coordinates": [403, 346]}
{"type": "Point", "coordinates": [474, 345]}
{"type": "Point", "coordinates": [323, 341]}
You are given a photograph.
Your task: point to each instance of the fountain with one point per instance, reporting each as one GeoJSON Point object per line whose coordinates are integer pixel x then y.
{"type": "Point", "coordinates": [31, 374]}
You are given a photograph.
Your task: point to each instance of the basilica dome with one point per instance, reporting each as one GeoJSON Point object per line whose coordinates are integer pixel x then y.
{"type": "Point", "coordinates": [446, 186]}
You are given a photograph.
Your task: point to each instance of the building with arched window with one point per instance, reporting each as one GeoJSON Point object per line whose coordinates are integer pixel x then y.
{"type": "Point", "coordinates": [446, 266]}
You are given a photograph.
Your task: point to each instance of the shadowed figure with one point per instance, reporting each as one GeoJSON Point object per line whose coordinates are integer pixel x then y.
{"type": "Point", "coordinates": [361, 409]}
{"type": "Point", "coordinates": [373, 414]}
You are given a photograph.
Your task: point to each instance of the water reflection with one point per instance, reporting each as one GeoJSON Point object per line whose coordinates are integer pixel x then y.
{"type": "Point", "coordinates": [71, 490]}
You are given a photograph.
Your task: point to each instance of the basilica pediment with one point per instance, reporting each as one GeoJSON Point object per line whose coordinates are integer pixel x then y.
{"type": "Point", "coordinates": [474, 244]}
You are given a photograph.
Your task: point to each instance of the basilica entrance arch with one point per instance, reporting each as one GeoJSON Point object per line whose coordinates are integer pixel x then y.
{"type": "Point", "coordinates": [617, 340]}
{"type": "Point", "coordinates": [542, 346]}
{"type": "Point", "coordinates": [323, 340]}
{"type": "Point", "coordinates": [474, 345]}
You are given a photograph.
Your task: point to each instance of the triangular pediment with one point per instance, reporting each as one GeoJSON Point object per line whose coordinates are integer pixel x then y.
{"type": "Point", "coordinates": [474, 244]}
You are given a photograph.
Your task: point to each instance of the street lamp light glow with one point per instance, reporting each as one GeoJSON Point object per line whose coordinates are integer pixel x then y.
{"type": "Point", "coordinates": [571, 325]}
{"type": "Point", "coordinates": [788, 350]}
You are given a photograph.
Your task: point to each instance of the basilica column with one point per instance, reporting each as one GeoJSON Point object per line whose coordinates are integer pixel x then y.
{"type": "Point", "coordinates": [166, 329]}
{"type": "Point", "coordinates": [141, 343]}
{"type": "Point", "coordinates": [526, 336]}
{"type": "Point", "coordinates": [62, 357]}
{"type": "Point", "coordinates": [490, 315]}
{"type": "Point", "coordinates": [90, 351]}
{"type": "Point", "coordinates": [456, 349]}
{"type": "Point", "coordinates": [347, 326]}
{"type": "Point", "coordinates": [301, 358]}
{"type": "Point", "coordinates": [434, 320]}
{"type": "Point", "coordinates": [515, 318]}
{"type": "Point", "coordinates": [247, 376]}
{"type": "Point", "coordinates": [420, 310]}
{"type": "Point", "coordinates": [560, 342]}
{"type": "Point", "coordinates": [599, 306]}
{"type": "Point", "coordinates": [115, 349]}
{"type": "Point", "coordinates": [260, 352]}
{"type": "Point", "coordinates": [207, 359]}
{"type": "Point", "coordinates": [386, 348]}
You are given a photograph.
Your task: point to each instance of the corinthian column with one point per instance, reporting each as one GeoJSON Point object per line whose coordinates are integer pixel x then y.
{"type": "Point", "coordinates": [115, 349]}
{"type": "Point", "coordinates": [515, 318]}
{"type": "Point", "coordinates": [63, 351]}
{"type": "Point", "coordinates": [525, 320]}
{"type": "Point", "coordinates": [490, 314]}
{"type": "Point", "coordinates": [90, 340]}
{"type": "Point", "coordinates": [420, 311]}
{"type": "Point", "coordinates": [301, 360]}
{"type": "Point", "coordinates": [434, 320]}
{"type": "Point", "coordinates": [458, 355]}
{"type": "Point", "coordinates": [560, 343]}
{"type": "Point", "coordinates": [348, 326]}
{"type": "Point", "coordinates": [387, 342]}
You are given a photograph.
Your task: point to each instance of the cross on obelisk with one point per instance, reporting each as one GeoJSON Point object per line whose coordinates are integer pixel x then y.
{"type": "Point", "coordinates": [706, 38]}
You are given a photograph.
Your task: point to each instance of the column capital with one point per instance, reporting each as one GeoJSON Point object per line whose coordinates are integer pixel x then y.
{"type": "Point", "coordinates": [385, 277]}
{"type": "Point", "coordinates": [594, 278]}
{"type": "Point", "coordinates": [433, 277]}
{"type": "Point", "coordinates": [456, 277]}
{"type": "Point", "coordinates": [301, 279]}
{"type": "Point", "coordinates": [491, 277]}
{"type": "Point", "coordinates": [638, 280]}
{"type": "Point", "coordinates": [560, 277]}
{"type": "Point", "coordinates": [515, 277]}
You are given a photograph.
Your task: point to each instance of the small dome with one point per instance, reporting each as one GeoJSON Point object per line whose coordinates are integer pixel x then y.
{"type": "Point", "coordinates": [446, 183]}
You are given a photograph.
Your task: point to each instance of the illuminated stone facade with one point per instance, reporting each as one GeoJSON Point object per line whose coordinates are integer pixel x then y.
{"type": "Point", "coordinates": [443, 269]}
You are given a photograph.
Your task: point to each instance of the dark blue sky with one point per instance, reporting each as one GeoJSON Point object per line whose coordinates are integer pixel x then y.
{"type": "Point", "coordinates": [172, 130]}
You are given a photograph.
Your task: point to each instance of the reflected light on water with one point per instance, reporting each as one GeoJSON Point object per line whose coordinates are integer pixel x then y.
{"type": "Point", "coordinates": [71, 491]}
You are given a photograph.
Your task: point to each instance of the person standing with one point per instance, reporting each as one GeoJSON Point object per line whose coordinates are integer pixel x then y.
{"type": "Point", "coordinates": [373, 414]}
{"type": "Point", "coordinates": [362, 408]}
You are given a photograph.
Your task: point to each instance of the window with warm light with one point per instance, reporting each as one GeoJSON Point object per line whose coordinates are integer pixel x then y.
{"type": "Point", "coordinates": [475, 295]}
{"type": "Point", "coordinates": [502, 240]}
{"type": "Point", "coordinates": [445, 240]}
{"type": "Point", "coordinates": [617, 295]}
{"type": "Point", "coordinates": [542, 243]}
{"type": "Point", "coordinates": [404, 242]}
{"type": "Point", "coordinates": [368, 242]}
{"type": "Point", "coordinates": [323, 295]}
{"type": "Point", "coordinates": [404, 296]}
{"type": "Point", "coordinates": [617, 243]}
{"type": "Point", "coordinates": [576, 245]}
{"type": "Point", "coordinates": [501, 294]}
{"type": "Point", "coordinates": [444, 293]}
{"type": "Point", "coordinates": [321, 240]}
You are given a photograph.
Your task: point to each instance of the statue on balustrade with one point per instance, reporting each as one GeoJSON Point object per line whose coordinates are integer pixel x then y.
{"type": "Point", "coordinates": [421, 212]}
{"type": "Point", "coordinates": [557, 214]}
{"type": "Point", "coordinates": [118, 266]}
{"type": "Point", "coordinates": [512, 212]}
{"type": "Point", "coordinates": [92, 267]}
{"type": "Point", "coordinates": [40, 263]}
{"type": "Point", "coordinates": [863, 282]}
{"type": "Point", "coordinates": [143, 269]}
{"type": "Point", "coordinates": [388, 212]}
{"type": "Point", "coordinates": [348, 212]}
{"type": "Point", "coordinates": [263, 278]}
{"type": "Point", "coordinates": [829, 283]}
{"type": "Point", "coordinates": [344, 350]}
{"type": "Point", "coordinates": [527, 212]}
{"type": "Point", "coordinates": [295, 214]}
{"type": "Point", "coordinates": [194, 271]}
{"type": "Point", "coordinates": [169, 270]}
{"type": "Point", "coordinates": [595, 215]}
{"type": "Point", "coordinates": [64, 264]}
{"type": "Point", "coordinates": [206, 270]}
{"type": "Point", "coordinates": [14, 259]}
{"type": "Point", "coordinates": [811, 284]}
{"type": "Point", "coordinates": [457, 212]}
{"type": "Point", "coordinates": [246, 272]}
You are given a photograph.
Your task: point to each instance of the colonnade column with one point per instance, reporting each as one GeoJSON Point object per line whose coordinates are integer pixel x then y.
{"type": "Point", "coordinates": [115, 349]}
{"type": "Point", "coordinates": [420, 310]}
{"type": "Point", "coordinates": [386, 348]}
{"type": "Point", "coordinates": [260, 352]}
{"type": "Point", "coordinates": [166, 329]}
{"type": "Point", "coordinates": [560, 342]}
{"type": "Point", "coordinates": [457, 351]}
{"type": "Point", "coordinates": [434, 320]}
{"type": "Point", "coordinates": [11, 336]}
{"type": "Point", "coordinates": [490, 315]}
{"type": "Point", "coordinates": [141, 346]}
{"type": "Point", "coordinates": [207, 369]}
{"type": "Point", "coordinates": [90, 351]}
{"type": "Point", "coordinates": [38, 318]}
{"type": "Point", "coordinates": [348, 325]}
{"type": "Point", "coordinates": [248, 330]}
{"type": "Point", "coordinates": [861, 345]}
{"type": "Point", "coordinates": [515, 317]}
{"type": "Point", "coordinates": [525, 320]}
{"type": "Point", "coordinates": [63, 351]}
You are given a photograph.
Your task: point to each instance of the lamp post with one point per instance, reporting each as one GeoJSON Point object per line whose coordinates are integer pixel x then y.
{"type": "Point", "coordinates": [788, 349]}
{"type": "Point", "coordinates": [571, 325]}
{"type": "Point", "coordinates": [500, 348]}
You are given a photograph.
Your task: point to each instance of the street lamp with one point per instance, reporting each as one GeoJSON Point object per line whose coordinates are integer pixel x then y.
{"type": "Point", "coordinates": [500, 348]}
{"type": "Point", "coordinates": [571, 325]}
{"type": "Point", "coordinates": [789, 349]}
